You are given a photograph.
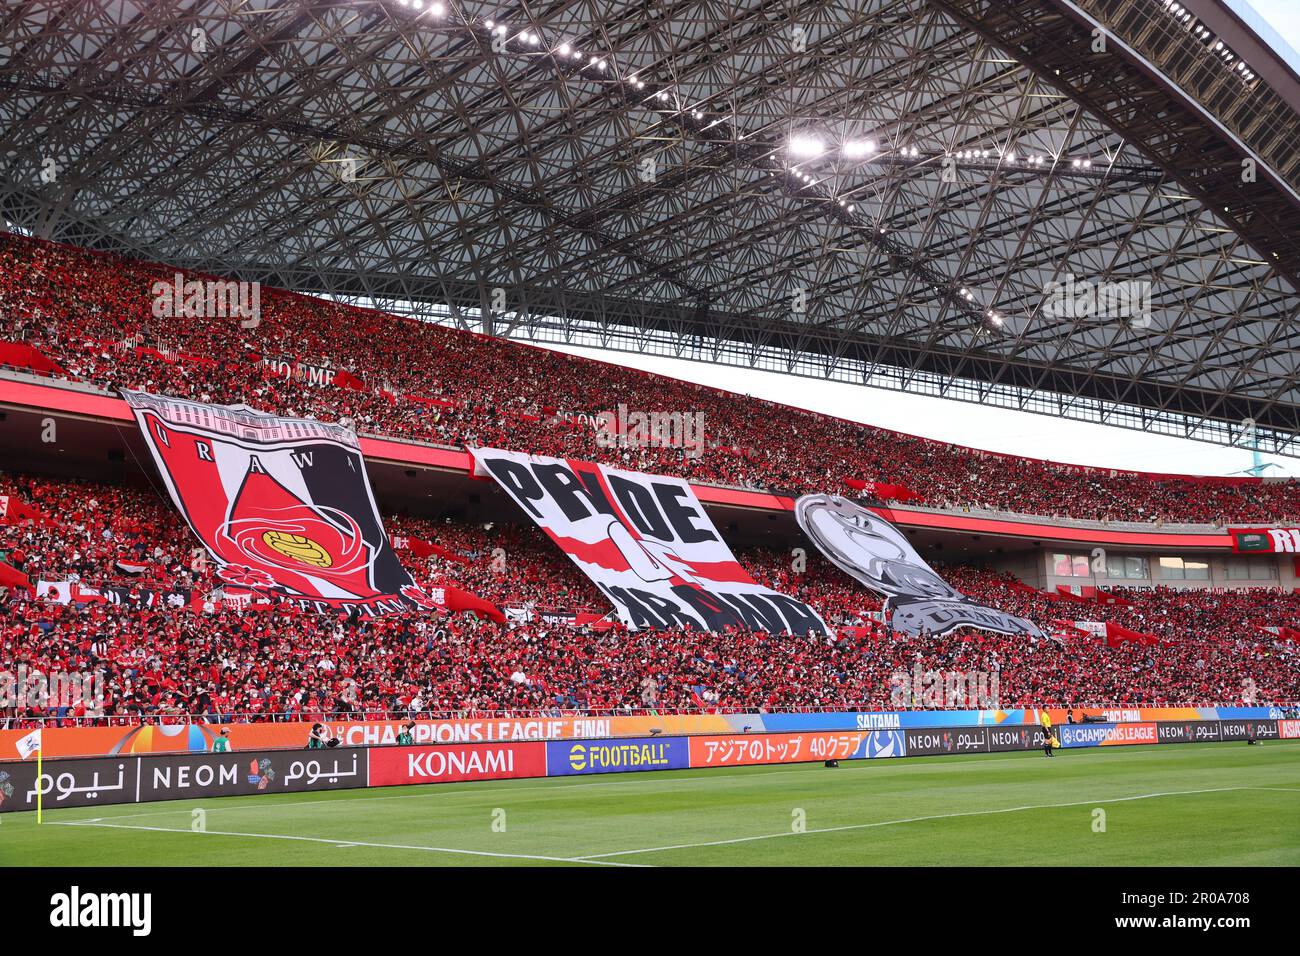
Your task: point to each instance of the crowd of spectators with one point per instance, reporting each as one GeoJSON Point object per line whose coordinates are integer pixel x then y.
{"type": "Point", "coordinates": [94, 315]}
{"type": "Point", "coordinates": [207, 658]}
{"type": "Point", "coordinates": [1168, 613]}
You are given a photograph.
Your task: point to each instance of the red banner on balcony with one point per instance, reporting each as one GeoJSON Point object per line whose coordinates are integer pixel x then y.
{"type": "Point", "coordinates": [883, 490]}
{"type": "Point", "coordinates": [22, 355]}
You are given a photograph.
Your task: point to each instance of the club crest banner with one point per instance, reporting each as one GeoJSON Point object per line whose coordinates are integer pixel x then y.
{"type": "Point", "coordinates": [867, 547]}
{"type": "Point", "coordinates": [283, 505]}
{"type": "Point", "coordinates": [646, 542]}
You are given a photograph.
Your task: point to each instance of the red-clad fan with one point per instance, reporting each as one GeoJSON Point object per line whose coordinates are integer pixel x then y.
{"type": "Point", "coordinates": [165, 659]}
{"type": "Point", "coordinates": [90, 317]}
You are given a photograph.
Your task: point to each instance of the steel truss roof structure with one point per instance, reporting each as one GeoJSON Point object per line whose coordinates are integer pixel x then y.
{"type": "Point", "coordinates": [1079, 207]}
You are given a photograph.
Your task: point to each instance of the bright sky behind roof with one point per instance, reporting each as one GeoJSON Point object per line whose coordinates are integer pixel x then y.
{"type": "Point", "coordinates": [962, 423]}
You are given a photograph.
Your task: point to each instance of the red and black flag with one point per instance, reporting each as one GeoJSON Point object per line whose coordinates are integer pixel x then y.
{"type": "Point", "coordinates": [282, 504]}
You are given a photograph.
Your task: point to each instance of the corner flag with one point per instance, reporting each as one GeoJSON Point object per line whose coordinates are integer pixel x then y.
{"type": "Point", "coordinates": [29, 745]}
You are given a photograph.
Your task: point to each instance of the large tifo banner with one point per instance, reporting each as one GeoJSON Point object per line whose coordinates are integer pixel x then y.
{"type": "Point", "coordinates": [646, 542]}
{"type": "Point", "coordinates": [283, 505]}
{"type": "Point", "coordinates": [867, 547]}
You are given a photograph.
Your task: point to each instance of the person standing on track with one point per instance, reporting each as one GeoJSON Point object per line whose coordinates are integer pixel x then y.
{"type": "Point", "coordinates": [1045, 719]}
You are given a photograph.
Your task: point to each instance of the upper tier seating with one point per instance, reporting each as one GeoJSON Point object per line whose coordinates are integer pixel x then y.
{"type": "Point", "coordinates": [92, 315]}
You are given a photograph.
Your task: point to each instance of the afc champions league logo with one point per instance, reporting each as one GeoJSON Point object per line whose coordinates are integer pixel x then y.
{"type": "Point", "coordinates": [870, 549]}
{"type": "Point", "coordinates": [886, 743]}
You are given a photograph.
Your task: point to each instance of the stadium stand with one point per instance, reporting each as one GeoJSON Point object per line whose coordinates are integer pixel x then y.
{"type": "Point", "coordinates": [86, 316]}
{"type": "Point", "coordinates": [216, 659]}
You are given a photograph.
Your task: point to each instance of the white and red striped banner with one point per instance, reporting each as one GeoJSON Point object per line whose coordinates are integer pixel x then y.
{"type": "Point", "coordinates": [646, 542]}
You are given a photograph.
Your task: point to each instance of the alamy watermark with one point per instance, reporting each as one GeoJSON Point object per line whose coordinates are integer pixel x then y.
{"type": "Point", "coordinates": [963, 690]}
{"type": "Point", "coordinates": [1128, 301]}
{"type": "Point", "coordinates": [622, 428]}
{"type": "Point", "coordinates": [36, 688]}
{"type": "Point", "coordinates": [78, 909]}
{"type": "Point", "coordinates": [208, 299]}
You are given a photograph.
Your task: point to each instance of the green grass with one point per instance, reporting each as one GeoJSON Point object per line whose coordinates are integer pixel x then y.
{"type": "Point", "coordinates": [1208, 804]}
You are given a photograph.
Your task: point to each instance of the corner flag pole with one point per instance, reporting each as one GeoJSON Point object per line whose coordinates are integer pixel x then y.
{"type": "Point", "coordinates": [40, 753]}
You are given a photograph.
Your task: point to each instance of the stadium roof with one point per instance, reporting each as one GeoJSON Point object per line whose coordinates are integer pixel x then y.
{"type": "Point", "coordinates": [868, 190]}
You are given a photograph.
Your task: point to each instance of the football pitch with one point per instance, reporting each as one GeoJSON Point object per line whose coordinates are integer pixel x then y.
{"type": "Point", "coordinates": [1191, 805]}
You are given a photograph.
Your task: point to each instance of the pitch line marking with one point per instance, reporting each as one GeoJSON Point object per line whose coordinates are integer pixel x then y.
{"type": "Point", "coordinates": [641, 779]}
{"type": "Point", "coordinates": [351, 843]}
{"type": "Point", "coordinates": [937, 816]}
{"type": "Point", "coordinates": [646, 779]}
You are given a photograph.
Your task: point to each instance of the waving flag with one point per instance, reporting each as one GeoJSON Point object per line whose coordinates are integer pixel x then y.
{"type": "Point", "coordinates": [29, 745]}
{"type": "Point", "coordinates": [283, 505]}
{"type": "Point", "coordinates": [14, 510]}
{"type": "Point", "coordinates": [454, 599]}
{"type": "Point", "coordinates": [423, 549]}
{"type": "Point", "coordinates": [11, 577]}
